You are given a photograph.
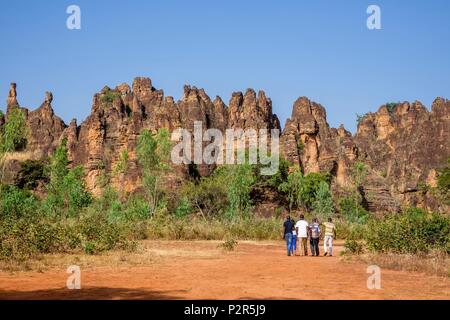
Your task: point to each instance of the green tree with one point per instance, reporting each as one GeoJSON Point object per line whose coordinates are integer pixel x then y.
{"type": "Point", "coordinates": [301, 190]}
{"type": "Point", "coordinates": [122, 164]}
{"type": "Point", "coordinates": [13, 135]}
{"type": "Point", "coordinates": [352, 204]}
{"type": "Point", "coordinates": [154, 156]}
{"type": "Point", "coordinates": [241, 180]}
{"type": "Point", "coordinates": [292, 188]}
{"type": "Point", "coordinates": [443, 183]}
{"type": "Point", "coordinates": [323, 204]}
{"type": "Point", "coordinates": [16, 203]}
{"type": "Point", "coordinates": [208, 195]}
{"type": "Point", "coordinates": [66, 191]}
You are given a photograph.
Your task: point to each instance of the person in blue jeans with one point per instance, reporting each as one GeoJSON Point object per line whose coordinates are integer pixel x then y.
{"type": "Point", "coordinates": [287, 235]}
{"type": "Point", "coordinates": [293, 247]}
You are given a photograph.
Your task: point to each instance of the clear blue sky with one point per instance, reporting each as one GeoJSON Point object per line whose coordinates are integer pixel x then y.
{"type": "Point", "coordinates": [320, 49]}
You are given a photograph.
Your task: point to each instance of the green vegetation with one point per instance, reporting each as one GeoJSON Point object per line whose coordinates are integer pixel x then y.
{"type": "Point", "coordinates": [414, 231]}
{"type": "Point", "coordinates": [303, 191]}
{"type": "Point", "coordinates": [66, 191]}
{"type": "Point", "coordinates": [323, 205]}
{"type": "Point", "coordinates": [153, 154]}
{"type": "Point", "coordinates": [443, 184]}
{"type": "Point", "coordinates": [391, 107]}
{"type": "Point", "coordinates": [32, 173]}
{"type": "Point", "coordinates": [359, 118]}
{"type": "Point", "coordinates": [13, 134]}
{"type": "Point", "coordinates": [64, 217]}
{"type": "Point", "coordinates": [351, 205]}
{"type": "Point", "coordinates": [109, 96]}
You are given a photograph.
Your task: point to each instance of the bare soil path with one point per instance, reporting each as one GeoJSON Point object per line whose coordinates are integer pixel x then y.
{"type": "Point", "coordinates": [201, 270]}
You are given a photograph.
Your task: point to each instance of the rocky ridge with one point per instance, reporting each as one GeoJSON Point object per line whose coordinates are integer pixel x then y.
{"type": "Point", "coordinates": [403, 144]}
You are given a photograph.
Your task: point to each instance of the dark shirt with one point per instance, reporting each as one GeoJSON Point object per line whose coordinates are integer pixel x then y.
{"type": "Point", "coordinates": [288, 225]}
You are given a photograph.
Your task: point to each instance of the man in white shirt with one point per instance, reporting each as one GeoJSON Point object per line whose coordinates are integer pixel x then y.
{"type": "Point", "coordinates": [302, 234]}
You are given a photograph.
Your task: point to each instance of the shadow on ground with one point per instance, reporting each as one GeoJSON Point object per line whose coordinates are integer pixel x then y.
{"type": "Point", "coordinates": [92, 293]}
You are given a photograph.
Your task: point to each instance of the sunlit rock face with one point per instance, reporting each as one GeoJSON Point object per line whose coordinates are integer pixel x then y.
{"type": "Point", "coordinates": [403, 145]}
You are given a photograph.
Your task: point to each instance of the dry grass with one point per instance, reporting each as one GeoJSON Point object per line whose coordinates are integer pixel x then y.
{"type": "Point", "coordinates": [435, 263]}
{"type": "Point", "coordinates": [147, 253]}
{"type": "Point", "coordinates": [19, 156]}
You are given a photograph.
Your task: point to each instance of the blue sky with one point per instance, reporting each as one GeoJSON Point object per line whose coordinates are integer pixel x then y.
{"type": "Point", "coordinates": [320, 49]}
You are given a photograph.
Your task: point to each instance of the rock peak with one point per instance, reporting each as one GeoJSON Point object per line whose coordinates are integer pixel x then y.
{"type": "Point", "coordinates": [12, 96]}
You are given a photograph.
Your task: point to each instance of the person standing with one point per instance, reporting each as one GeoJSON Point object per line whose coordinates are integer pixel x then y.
{"type": "Point", "coordinates": [314, 235]}
{"type": "Point", "coordinates": [330, 234]}
{"type": "Point", "coordinates": [287, 235]}
{"type": "Point", "coordinates": [293, 249]}
{"type": "Point", "coordinates": [302, 234]}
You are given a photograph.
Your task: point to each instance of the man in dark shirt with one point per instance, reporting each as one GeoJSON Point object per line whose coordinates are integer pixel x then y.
{"type": "Point", "coordinates": [287, 235]}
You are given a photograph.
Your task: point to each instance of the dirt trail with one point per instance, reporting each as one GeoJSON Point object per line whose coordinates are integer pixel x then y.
{"type": "Point", "coordinates": [199, 270]}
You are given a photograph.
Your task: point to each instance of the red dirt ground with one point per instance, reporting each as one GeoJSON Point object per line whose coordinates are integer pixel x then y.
{"type": "Point", "coordinates": [199, 270]}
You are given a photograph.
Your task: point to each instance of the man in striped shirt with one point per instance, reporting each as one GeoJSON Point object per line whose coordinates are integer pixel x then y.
{"type": "Point", "coordinates": [330, 234]}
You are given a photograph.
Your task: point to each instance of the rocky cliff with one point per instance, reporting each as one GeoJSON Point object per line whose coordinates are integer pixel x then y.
{"type": "Point", "coordinates": [403, 144]}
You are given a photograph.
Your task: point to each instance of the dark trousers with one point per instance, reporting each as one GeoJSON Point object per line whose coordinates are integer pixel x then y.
{"type": "Point", "coordinates": [314, 242]}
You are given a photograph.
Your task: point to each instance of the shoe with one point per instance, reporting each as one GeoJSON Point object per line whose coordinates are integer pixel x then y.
{"type": "Point", "coordinates": [325, 254]}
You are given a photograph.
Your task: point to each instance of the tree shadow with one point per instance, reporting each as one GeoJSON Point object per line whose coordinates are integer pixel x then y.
{"type": "Point", "coordinates": [92, 293]}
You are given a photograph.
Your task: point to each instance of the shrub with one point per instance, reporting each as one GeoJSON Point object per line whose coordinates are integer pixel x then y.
{"type": "Point", "coordinates": [14, 132]}
{"type": "Point", "coordinates": [184, 207]}
{"type": "Point", "coordinates": [352, 210]}
{"type": "Point", "coordinates": [15, 202]}
{"type": "Point", "coordinates": [228, 244]}
{"type": "Point", "coordinates": [208, 196]}
{"type": "Point", "coordinates": [323, 204]}
{"type": "Point", "coordinates": [31, 173]}
{"type": "Point", "coordinates": [154, 155]}
{"type": "Point", "coordinates": [414, 231]}
{"type": "Point", "coordinates": [109, 96]}
{"type": "Point", "coordinates": [66, 191]}
{"type": "Point", "coordinates": [25, 238]}
{"type": "Point", "coordinates": [136, 208]}
{"type": "Point", "coordinates": [301, 191]}
{"type": "Point", "coordinates": [360, 118]}
{"type": "Point", "coordinates": [391, 107]}
{"type": "Point", "coordinates": [241, 180]}
{"type": "Point", "coordinates": [353, 246]}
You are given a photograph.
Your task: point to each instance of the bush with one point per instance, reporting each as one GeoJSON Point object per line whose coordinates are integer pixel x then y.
{"type": "Point", "coordinates": [228, 244]}
{"type": "Point", "coordinates": [67, 192]}
{"type": "Point", "coordinates": [323, 204]}
{"type": "Point", "coordinates": [109, 96]}
{"type": "Point", "coordinates": [15, 202]}
{"type": "Point", "coordinates": [32, 172]}
{"type": "Point", "coordinates": [302, 191]}
{"type": "Point", "coordinates": [14, 132]}
{"type": "Point", "coordinates": [25, 238]}
{"type": "Point", "coordinates": [352, 210]}
{"type": "Point", "coordinates": [391, 107]}
{"type": "Point", "coordinates": [168, 227]}
{"type": "Point", "coordinates": [184, 208]}
{"type": "Point", "coordinates": [353, 246]}
{"type": "Point", "coordinates": [208, 196]}
{"type": "Point", "coordinates": [414, 231]}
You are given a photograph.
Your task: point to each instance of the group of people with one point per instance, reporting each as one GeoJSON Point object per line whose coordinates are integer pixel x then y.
{"type": "Point", "coordinates": [297, 233]}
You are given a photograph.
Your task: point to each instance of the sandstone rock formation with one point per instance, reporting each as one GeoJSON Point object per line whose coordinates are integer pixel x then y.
{"type": "Point", "coordinates": [405, 144]}
{"type": "Point", "coordinates": [402, 145]}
